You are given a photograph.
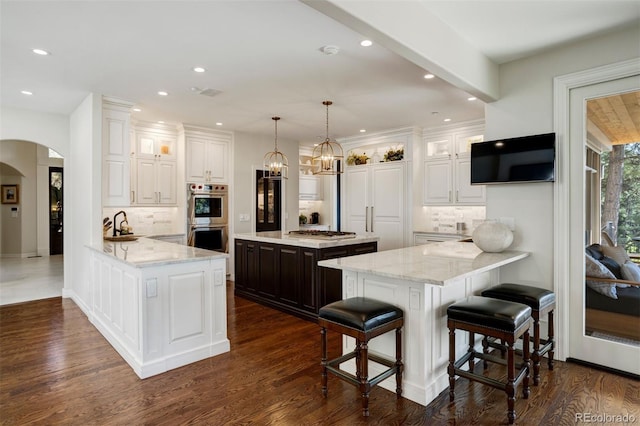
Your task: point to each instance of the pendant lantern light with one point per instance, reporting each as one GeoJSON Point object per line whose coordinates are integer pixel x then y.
{"type": "Point", "coordinates": [328, 157]}
{"type": "Point", "coordinates": [276, 164]}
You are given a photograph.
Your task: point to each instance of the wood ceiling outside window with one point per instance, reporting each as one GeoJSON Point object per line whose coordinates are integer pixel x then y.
{"type": "Point", "coordinates": [618, 117]}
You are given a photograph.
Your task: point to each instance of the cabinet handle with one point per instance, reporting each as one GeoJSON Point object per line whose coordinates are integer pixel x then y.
{"type": "Point", "coordinates": [159, 197]}
{"type": "Point", "coordinates": [371, 218]}
{"type": "Point", "coordinates": [449, 195]}
{"type": "Point", "coordinates": [366, 220]}
{"type": "Point", "coordinates": [456, 195]}
{"type": "Point", "coordinates": [133, 196]}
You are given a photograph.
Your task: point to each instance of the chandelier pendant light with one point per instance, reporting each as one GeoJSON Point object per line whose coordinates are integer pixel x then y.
{"type": "Point", "coordinates": [276, 164]}
{"type": "Point", "coordinates": [328, 157]}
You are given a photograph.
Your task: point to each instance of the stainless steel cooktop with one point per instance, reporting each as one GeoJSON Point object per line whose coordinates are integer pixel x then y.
{"type": "Point", "coordinates": [322, 235]}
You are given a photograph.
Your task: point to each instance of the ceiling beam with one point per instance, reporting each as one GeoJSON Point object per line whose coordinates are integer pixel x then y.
{"type": "Point", "coordinates": [409, 29]}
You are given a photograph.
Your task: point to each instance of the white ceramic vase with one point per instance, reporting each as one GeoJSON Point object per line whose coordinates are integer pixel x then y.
{"type": "Point", "coordinates": [492, 236]}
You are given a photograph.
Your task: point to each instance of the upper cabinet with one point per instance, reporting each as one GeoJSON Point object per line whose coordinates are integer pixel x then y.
{"type": "Point", "coordinates": [207, 154]}
{"type": "Point", "coordinates": [447, 167]}
{"type": "Point", "coordinates": [156, 144]}
{"type": "Point", "coordinates": [154, 172]}
{"type": "Point", "coordinates": [116, 152]}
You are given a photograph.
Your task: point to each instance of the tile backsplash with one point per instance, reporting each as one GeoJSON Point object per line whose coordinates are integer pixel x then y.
{"type": "Point", "coordinates": [445, 218]}
{"type": "Point", "coordinates": [150, 220]}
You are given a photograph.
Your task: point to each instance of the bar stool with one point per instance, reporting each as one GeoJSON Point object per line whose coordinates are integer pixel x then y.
{"type": "Point", "coordinates": [363, 319]}
{"type": "Point", "coordinates": [542, 302]}
{"type": "Point", "coordinates": [499, 319]}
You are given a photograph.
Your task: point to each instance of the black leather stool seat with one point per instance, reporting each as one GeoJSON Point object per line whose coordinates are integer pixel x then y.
{"type": "Point", "coordinates": [493, 313]}
{"type": "Point", "coordinates": [537, 298]}
{"type": "Point", "coordinates": [542, 302]}
{"type": "Point", "coordinates": [360, 313]}
{"type": "Point", "coordinates": [497, 319]}
{"type": "Point", "coordinates": [363, 319]}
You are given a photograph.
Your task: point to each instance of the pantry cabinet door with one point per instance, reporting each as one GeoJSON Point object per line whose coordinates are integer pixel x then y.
{"type": "Point", "coordinates": [387, 205]}
{"type": "Point", "coordinates": [357, 199]}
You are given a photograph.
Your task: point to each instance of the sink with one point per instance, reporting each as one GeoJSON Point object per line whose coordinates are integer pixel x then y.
{"type": "Point", "coordinates": [122, 238]}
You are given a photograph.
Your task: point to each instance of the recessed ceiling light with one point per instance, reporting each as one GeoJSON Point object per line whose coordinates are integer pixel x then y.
{"type": "Point", "coordinates": [447, 119]}
{"type": "Point", "coordinates": [363, 130]}
{"type": "Point", "coordinates": [137, 109]}
{"type": "Point", "coordinates": [199, 69]}
{"type": "Point", "coordinates": [429, 76]}
{"type": "Point", "coordinates": [366, 43]}
{"type": "Point", "coordinates": [471, 98]}
{"type": "Point", "coordinates": [163, 93]}
{"type": "Point", "coordinates": [26, 92]}
{"type": "Point", "coordinates": [40, 52]}
{"type": "Point", "coordinates": [218, 124]}
{"type": "Point", "coordinates": [160, 122]}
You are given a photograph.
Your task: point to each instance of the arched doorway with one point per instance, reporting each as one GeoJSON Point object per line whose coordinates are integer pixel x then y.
{"type": "Point", "coordinates": [30, 270]}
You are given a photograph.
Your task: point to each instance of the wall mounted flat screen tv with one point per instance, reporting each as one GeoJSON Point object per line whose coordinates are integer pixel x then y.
{"type": "Point", "coordinates": [522, 159]}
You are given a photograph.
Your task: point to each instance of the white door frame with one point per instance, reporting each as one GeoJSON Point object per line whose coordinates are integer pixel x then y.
{"type": "Point", "coordinates": [568, 268]}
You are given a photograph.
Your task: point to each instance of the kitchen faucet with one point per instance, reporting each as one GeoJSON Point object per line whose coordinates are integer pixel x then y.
{"type": "Point", "coordinates": [114, 222]}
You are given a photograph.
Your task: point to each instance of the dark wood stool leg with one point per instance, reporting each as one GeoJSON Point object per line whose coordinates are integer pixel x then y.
{"type": "Point", "coordinates": [323, 345]}
{"type": "Point", "coordinates": [510, 386]}
{"type": "Point", "coordinates": [472, 339]}
{"type": "Point", "coordinates": [526, 390]}
{"type": "Point", "coordinates": [452, 361]}
{"type": "Point", "coordinates": [535, 354]}
{"type": "Point", "coordinates": [364, 377]}
{"type": "Point", "coordinates": [550, 337]}
{"type": "Point", "coordinates": [485, 350]}
{"type": "Point", "coordinates": [399, 365]}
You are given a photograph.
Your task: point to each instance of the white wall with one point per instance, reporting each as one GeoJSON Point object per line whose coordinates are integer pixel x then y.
{"type": "Point", "coordinates": [83, 200]}
{"type": "Point", "coordinates": [249, 151]}
{"type": "Point", "coordinates": [526, 107]}
{"type": "Point", "coordinates": [50, 130]}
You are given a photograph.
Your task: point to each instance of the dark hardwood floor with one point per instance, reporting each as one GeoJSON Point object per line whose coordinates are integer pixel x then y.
{"type": "Point", "coordinates": [55, 368]}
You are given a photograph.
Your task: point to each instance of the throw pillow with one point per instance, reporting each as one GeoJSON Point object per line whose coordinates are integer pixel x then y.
{"type": "Point", "coordinates": [630, 271]}
{"type": "Point", "coordinates": [617, 253]}
{"type": "Point", "coordinates": [593, 268]}
{"type": "Point", "coordinates": [611, 265]}
{"type": "Point", "coordinates": [595, 251]}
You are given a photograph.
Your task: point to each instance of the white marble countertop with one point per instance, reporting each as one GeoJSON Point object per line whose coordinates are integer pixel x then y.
{"type": "Point", "coordinates": [146, 252]}
{"type": "Point", "coordinates": [438, 264]}
{"type": "Point", "coordinates": [278, 237]}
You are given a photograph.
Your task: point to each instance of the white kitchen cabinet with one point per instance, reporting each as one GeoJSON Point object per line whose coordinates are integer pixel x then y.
{"type": "Point", "coordinates": [310, 188]}
{"type": "Point", "coordinates": [154, 171]}
{"type": "Point", "coordinates": [447, 168]}
{"type": "Point", "coordinates": [116, 148]}
{"type": "Point", "coordinates": [156, 182]}
{"type": "Point", "coordinates": [465, 192]}
{"type": "Point", "coordinates": [375, 197]}
{"type": "Point", "coordinates": [157, 145]}
{"type": "Point", "coordinates": [207, 155]}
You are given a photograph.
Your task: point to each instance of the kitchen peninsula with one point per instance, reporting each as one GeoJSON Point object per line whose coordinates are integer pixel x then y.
{"type": "Point", "coordinates": [160, 305]}
{"type": "Point", "coordinates": [280, 269]}
{"type": "Point", "coordinates": [423, 281]}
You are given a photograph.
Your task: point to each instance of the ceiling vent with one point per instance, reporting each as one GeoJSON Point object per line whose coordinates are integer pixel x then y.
{"type": "Point", "coordinates": [206, 92]}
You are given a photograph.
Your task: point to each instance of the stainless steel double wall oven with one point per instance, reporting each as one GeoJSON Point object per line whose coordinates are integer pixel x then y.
{"type": "Point", "coordinates": [208, 216]}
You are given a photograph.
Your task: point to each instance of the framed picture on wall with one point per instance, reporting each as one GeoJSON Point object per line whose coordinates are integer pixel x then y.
{"type": "Point", "coordinates": [10, 194]}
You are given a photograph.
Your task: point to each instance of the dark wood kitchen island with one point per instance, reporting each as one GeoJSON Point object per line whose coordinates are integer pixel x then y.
{"type": "Point", "coordinates": [281, 271]}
